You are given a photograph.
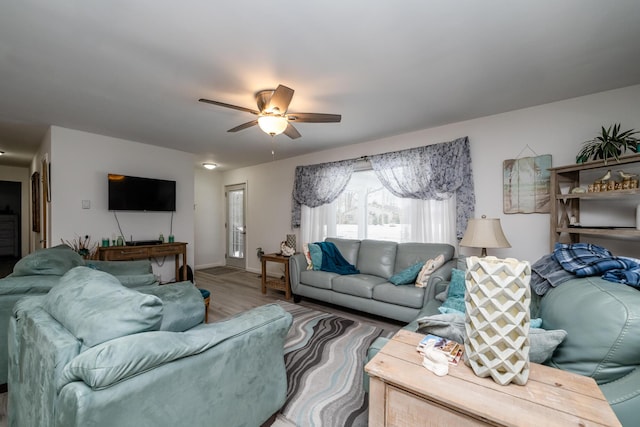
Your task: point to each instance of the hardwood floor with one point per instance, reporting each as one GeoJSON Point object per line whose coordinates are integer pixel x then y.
{"type": "Point", "coordinates": [239, 291]}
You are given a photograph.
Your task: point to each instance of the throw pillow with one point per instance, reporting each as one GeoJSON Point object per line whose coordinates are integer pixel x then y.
{"type": "Point", "coordinates": [316, 255]}
{"type": "Point", "coordinates": [406, 276]}
{"type": "Point", "coordinates": [53, 261]}
{"type": "Point", "coordinates": [307, 256]}
{"type": "Point", "coordinates": [455, 294]}
{"type": "Point", "coordinates": [427, 269]}
{"type": "Point", "coordinates": [543, 343]}
{"type": "Point", "coordinates": [94, 307]}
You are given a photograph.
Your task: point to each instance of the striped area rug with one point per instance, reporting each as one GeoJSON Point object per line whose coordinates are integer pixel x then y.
{"type": "Point", "coordinates": [324, 357]}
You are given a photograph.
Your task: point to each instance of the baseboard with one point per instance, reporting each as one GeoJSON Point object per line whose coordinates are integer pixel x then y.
{"type": "Point", "coordinates": [204, 266]}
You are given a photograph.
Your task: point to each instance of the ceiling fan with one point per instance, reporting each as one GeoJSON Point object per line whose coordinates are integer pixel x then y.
{"type": "Point", "coordinates": [272, 113]}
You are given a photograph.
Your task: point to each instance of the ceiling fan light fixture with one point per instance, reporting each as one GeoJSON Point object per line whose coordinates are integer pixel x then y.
{"type": "Point", "coordinates": [209, 166]}
{"type": "Point", "coordinates": [273, 125]}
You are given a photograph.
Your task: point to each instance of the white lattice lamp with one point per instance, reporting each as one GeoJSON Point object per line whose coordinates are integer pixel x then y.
{"type": "Point", "coordinates": [484, 233]}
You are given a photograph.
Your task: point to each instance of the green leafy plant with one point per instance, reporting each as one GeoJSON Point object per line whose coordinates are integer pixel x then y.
{"type": "Point", "coordinates": [611, 143]}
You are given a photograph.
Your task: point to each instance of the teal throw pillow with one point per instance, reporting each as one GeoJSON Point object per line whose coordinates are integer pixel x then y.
{"type": "Point", "coordinates": [407, 276]}
{"type": "Point", "coordinates": [316, 255]}
{"type": "Point", "coordinates": [455, 294]}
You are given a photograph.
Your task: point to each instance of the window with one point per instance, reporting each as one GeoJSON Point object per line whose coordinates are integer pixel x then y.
{"type": "Point", "coordinates": [367, 210]}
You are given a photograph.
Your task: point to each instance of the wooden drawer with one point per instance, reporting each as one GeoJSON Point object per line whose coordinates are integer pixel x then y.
{"type": "Point", "coordinates": [405, 409]}
{"type": "Point", "coordinates": [125, 253]}
{"type": "Point", "coordinates": [164, 250]}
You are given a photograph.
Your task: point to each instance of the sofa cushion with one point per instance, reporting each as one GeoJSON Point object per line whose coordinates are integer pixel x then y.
{"type": "Point", "coordinates": [407, 296]}
{"type": "Point", "coordinates": [317, 279]}
{"type": "Point", "coordinates": [121, 268]}
{"type": "Point", "coordinates": [360, 285]}
{"type": "Point", "coordinates": [377, 257]}
{"type": "Point", "coordinates": [182, 305]}
{"type": "Point", "coordinates": [95, 307]}
{"type": "Point", "coordinates": [53, 261]}
{"type": "Point", "coordinates": [605, 347]}
{"type": "Point", "coordinates": [348, 248]}
{"type": "Point", "coordinates": [455, 294]}
{"type": "Point", "coordinates": [407, 276]}
{"type": "Point", "coordinates": [410, 253]}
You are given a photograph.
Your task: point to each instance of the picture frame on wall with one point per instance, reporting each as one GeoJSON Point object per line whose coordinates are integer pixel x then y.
{"type": "Point", "coordinates": [527, 185]}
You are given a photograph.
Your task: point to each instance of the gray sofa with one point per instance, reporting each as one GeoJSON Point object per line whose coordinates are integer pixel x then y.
{"type": "Point", "coordinates": [38, 272]}
{"type": "Point", "coordinates": [94, 353]}
{"type": "Point", "coordinates": [370, 291]}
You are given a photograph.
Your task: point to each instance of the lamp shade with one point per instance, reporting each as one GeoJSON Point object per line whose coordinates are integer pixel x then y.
{"type": "Point", "coordinates": [273, 125]}
{"type": "Point", "coordinates": [484, 233]}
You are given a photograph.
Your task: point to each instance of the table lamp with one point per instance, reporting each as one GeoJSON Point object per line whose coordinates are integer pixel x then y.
{"type": "Point", "coordinates": [484, 233]}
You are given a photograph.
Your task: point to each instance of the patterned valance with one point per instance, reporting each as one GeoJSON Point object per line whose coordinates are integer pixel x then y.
{"type": "Point", "coordinates": [432, 172]}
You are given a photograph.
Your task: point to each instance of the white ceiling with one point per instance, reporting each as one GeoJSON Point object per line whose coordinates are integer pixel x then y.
{"type": "Point", "coordinates": [136, 69]}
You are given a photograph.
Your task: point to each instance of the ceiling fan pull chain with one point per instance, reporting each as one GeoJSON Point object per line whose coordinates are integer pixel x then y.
{"type": "Point", "coordinates": [273, 147]}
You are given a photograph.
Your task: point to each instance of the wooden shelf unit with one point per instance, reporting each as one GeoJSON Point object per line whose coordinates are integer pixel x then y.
{"type": "Point", "coordinates": [566, 206]}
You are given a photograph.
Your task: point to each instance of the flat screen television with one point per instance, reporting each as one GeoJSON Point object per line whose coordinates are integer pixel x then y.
{"type": "Point", "coordinates": [132, 193]}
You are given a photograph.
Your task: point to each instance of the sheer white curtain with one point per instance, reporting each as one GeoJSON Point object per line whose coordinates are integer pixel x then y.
{"type": "Point", "coordinates": [424, 221]}
{"type": "Point", "coordinates": [431, 221]}
{"type": "Point", "coordinates": [318, 223]}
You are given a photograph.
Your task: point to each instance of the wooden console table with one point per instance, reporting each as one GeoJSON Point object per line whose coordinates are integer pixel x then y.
{"type": "Point", "coordinates": [404, 393]}
{"type": "Point", "coordinates": [276, 283]}
{"type": "Point", "coordinates": [128, 253]}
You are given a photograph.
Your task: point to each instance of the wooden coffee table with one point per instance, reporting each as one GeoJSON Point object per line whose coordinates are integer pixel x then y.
{"type": "Point", "coordinates": [404, 393]}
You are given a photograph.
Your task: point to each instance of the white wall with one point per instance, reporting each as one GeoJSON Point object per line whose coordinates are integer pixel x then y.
{"type": "Point", "coordinates": [558, 129]}
{"type": "Point", "coordinates": [209, 216]}
{"type": "Point", "coordinates": [80, 162]}
{"type": "Point", "coordinates": [21, 175]}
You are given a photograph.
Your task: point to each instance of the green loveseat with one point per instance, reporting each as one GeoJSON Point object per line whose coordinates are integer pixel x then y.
{"type": "Point", "coordinates": [38, 272]}
{"type": "Point", "coordinates": [94, 353]}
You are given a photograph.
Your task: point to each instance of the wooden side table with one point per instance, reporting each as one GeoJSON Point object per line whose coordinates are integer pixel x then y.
{"type": "Point", "coordinates": [404, 393]}
{"type": "Point", "coordinates": [276, 283]}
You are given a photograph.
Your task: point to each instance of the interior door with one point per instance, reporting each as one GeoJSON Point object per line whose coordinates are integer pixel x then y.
{"type": "Point", "coordinates": [235, 224]}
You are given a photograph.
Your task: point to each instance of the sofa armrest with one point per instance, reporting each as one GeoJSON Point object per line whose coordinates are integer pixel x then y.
{"type": "Point", "coordinates": [623, 395]}
{"type": "Point", "coordinates": [438, 280]}
{"type": "Point", "coordinates": [116, 360]}
{"type": "Point", "coordinates": [297, 264]}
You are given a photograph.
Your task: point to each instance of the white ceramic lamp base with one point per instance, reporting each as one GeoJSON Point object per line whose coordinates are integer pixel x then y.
{"type": "Point", "coordinates": [497, 300]}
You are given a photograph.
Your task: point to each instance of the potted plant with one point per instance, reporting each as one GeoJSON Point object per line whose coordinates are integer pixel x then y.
{"type": "Point", "coordinates": [610, 143]}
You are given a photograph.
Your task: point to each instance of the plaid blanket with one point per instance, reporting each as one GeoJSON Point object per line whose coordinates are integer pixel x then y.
{"type": "Point", "coordinates": [629, 277]}
{"type": "Point", "coordinates": [585, 259]}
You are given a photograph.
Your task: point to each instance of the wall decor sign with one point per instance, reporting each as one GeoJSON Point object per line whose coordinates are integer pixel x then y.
{"type": "Point", "coordinates": [526, 185]}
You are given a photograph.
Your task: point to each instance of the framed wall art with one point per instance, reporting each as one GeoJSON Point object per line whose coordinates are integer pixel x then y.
{"type": "Point", "coordinates": [526, 185]}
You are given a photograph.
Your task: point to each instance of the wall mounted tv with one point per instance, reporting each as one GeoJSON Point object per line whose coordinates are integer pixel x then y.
{"type": "Point", "coordinates": [131, 193]}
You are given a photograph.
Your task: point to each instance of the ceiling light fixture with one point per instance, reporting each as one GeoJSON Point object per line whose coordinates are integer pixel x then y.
{"type": "Point", "coordinates": [273, 125]}
{"type": "Point", "coordinates": [1, 152]}
{"type": "Point", "coordinates": [209, 166]}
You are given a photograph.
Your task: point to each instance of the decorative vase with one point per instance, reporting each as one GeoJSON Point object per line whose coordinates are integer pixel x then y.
{"type": "Point", "coordinates": [497, 318]}
{"type": "Point", "coordinates": [291, 241]}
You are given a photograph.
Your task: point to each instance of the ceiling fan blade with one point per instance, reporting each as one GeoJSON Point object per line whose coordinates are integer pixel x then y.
{"type": "Point", "coordinates": [314, 117]}
{"type": "Point", "coordinates": [292, 132]}
{"type": "Point", "coordinates": [244, 126]}
{"type": "Point", "coordinates": [224, 104]}
{"type": "Point", "coordinates": [280, 99]}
